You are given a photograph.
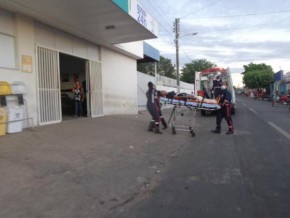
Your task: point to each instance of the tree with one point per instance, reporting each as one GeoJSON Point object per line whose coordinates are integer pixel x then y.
{"type": "Point", "coordinates": [164, 68]}
{"type": "Point", "coordinates": [188, 71]}
{"type": "Point", "coordinates": [147, 68]}
{"type": "Point", "coordinates": [257, 75]}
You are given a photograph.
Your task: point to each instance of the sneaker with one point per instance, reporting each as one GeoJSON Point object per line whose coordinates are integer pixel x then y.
{"type": "Point", "coordinates": [157, 131]}
{"type": "Point", "coordinates": [150, 129]}
{"type": "Point", "coordinates": [230, 132]}
{"type": "Point", "coordinates": [216, 131]}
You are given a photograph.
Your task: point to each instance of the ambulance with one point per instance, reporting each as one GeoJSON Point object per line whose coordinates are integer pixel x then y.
{"type": "Point", "coordinates": [204, 82]}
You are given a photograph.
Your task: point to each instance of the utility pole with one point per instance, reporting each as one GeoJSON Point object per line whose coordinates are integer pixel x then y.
{"type": "Point", "coordinates": [176, 30]}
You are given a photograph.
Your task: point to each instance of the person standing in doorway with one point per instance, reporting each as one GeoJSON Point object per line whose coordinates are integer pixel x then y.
{"type": "Point", "coordinates": [225, 111]}
{"type": "Point", "coordinates": [78, 98]}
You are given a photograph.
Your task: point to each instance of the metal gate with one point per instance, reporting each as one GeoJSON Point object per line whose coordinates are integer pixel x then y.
{"type": "Point", "coordinates": [49, 98]}
{"type": "Point", "coordinates": [95, 94]}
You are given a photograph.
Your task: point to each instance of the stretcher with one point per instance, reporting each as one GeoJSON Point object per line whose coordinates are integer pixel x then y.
{"type": "Point", "coordinates": [187, 103]}
{"type": "Point", "coordinates": [196, 102]}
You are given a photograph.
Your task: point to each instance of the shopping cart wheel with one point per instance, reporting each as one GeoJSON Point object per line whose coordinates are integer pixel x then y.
{"type": "Point", "coordinates": [192, 133]}
{"type": "Point", "coordinates": [173, 130]}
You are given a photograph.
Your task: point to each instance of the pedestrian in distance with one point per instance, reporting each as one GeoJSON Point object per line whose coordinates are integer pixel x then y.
{"type": "Point", "coordinates": [225, 110]}
{"type": "Point", "coordinates": [153, 108]}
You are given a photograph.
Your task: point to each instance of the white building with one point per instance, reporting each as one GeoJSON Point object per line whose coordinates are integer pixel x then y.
{"type": "Point", "coordinates": [48, 44]}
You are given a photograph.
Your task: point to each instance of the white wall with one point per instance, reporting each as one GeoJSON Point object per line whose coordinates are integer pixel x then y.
{"type": "Point", "coordinates": [24, 46]}
{"type": "Point", "coordinates": [143, 80]}
{"type": "Point", "coordinates": [134, 48]}
{"type": "Point", "coordinates": [63, 42]}
{"type": "Point", "coordinates": [119, 83]}
{"type": "Point", "coordinates": [162, 83]}
{"type": "Point", "coordinates": [119, 71]}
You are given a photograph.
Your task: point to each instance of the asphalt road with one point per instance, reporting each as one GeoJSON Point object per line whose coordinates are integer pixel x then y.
{"type": "Point", "coordinates": [216, 175]}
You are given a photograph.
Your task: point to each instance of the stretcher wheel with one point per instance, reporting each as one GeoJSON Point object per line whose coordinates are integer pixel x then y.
{"type": "Point", "coordinates": [173, 131]}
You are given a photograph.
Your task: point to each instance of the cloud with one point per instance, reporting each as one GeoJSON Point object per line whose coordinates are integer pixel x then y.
{"type": "Point", "coordinates": [231, 41]}
{"type": "Point", "coordinates": [198, 23]}
{"type": "Point", "coordinates": [260, 35]}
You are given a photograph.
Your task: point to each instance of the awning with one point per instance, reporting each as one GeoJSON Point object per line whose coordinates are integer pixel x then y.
{"type": "Point", "coordinates": [151, 54]}
{"type": "Point", "coordinates": [101, 22]}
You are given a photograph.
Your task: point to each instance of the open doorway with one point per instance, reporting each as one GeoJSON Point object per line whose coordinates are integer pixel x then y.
{"type": "Point", "coordinates": [71, 69]}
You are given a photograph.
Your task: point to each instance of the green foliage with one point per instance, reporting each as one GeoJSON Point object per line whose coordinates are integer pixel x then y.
{"type": "Point", "coordinates": [164, 68]}
{"type": "Point", "coordinates": [147, 68]}
{"type": "Point", "coordinates": [188, 71]}
{"type": "Point", "coordinates": [251, 67]}
{"type": "Point", "coordinates": [257, 75]}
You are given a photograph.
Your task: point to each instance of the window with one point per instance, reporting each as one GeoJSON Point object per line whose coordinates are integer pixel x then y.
{"type": "Point", "coordinates": [7, 40]}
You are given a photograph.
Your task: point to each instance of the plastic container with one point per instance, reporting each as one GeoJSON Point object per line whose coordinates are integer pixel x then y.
{"type": "Point", "coordinates": [15, 118]}
{"type": "Point", "coordinates": [3, 120]}
{"type": "Point", "coordinates": [5, 88]}
{"type": "Point", "coordinates": [18, 88]}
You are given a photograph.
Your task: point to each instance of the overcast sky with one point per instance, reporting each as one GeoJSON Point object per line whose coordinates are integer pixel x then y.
{"type": "Point", "coordinates": [231, 33]}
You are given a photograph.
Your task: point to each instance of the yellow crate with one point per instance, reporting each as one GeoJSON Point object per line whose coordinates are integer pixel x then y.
{"type": "Point", "coordinates": [3, 120]}
{"type": "Point", "coordinates": [5, 88]}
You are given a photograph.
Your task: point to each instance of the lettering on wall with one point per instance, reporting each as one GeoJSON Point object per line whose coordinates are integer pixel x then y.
{"type": "Point", "coordinates": [141, 18]}
{"type": "Point", "coordinates": [144, 18]}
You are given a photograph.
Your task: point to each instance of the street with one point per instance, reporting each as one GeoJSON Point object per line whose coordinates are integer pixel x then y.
{"type": "Point", "coordinates": [112, 167]}
{"type": "Point", "coordinates": [216, 175]}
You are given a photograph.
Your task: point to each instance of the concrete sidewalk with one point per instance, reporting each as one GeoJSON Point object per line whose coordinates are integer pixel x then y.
{"type": "Point", "coordinates": [82, 168]}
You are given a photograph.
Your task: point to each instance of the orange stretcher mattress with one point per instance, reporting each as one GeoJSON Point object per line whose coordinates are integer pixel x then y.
{"type": "Point", "coordinates": [192, 101]}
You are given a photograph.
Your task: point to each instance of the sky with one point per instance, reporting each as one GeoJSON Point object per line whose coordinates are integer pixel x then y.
{"type": "Point", "coordinates": [231, 33]}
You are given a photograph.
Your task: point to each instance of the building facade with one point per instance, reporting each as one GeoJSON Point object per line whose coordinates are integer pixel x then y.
{"type": "Point", "coordinates": [48, 45]}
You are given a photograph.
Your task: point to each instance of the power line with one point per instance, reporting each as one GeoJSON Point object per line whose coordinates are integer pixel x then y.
{"type": "Point", "coordinates": [255, 26]}
{"type": "Point", "coordinates": [161, 15]}
{"type": "Point", "coordinates": [200, 9]}
{"type": "Point", "coordinates": [166, 19]}
{"type": "Point", "coordinates": [245, 15]}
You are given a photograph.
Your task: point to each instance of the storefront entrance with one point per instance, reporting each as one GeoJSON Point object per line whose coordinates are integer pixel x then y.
{"type": "Point", "coordinates": [71, 69]}
{"type": "Point", "coordinates": [57, 73]}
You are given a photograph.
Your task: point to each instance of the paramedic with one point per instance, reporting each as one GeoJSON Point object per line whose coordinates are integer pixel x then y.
{"type": "Point", "coordinates": [164, 124]}
{"type": "Point", "coordinates": [216, 88]}
{"type": "Point", "coordinates": [225, 111]}
{"type": "Point", "coordinates": [152, 108]}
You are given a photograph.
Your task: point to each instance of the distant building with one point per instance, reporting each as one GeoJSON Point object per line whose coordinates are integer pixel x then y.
{"type": "Point", "coordinates": [285, 84]}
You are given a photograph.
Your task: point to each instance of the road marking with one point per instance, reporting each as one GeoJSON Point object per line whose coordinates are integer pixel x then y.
{"type": "Point", "coordinates": [252, 110]}
{"type": "Point", "coordinates": [283, 132]}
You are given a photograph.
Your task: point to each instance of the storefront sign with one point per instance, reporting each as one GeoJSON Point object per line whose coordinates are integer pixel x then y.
{"type": "Point", "coordinates": [139, 14]}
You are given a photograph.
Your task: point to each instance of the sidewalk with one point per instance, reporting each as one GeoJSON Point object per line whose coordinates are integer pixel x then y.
{"type": "Point", "coordinates": [82, 168]}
